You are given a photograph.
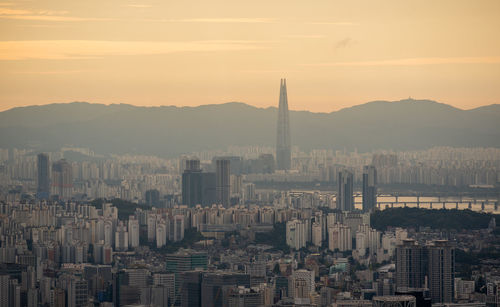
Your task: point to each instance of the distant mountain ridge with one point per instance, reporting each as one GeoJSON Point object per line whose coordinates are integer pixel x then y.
{"type": "Point", "coordinates": [168, 130]}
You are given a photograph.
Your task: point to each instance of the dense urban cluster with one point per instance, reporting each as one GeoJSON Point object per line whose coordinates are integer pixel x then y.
{"type": "Point", "coordinates": [232, 228]}
{"type": "Point", "coordinates": [84, 175]}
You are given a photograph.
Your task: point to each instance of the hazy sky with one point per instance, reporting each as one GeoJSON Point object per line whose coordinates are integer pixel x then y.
{"type": "Point", "coordinates": [334, 54]}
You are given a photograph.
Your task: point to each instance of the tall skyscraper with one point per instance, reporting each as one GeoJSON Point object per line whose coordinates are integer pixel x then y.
{"type": "Point", "coordinates": [345, 198]}
{"type": "Point", "coordinates": [43, 182]}
{"type": "Point", "coordinates": [441, 271]}
{"type": "Point", "coordinates": [410, 265]}
{"type": "Point", "coordinates": [223, 185]}
{"type": "Point", "coordinates": [369, 188]}
{"type": "Point", "coordinates": [62, 179]}
{"type": "Point", "coordinates": [183, 261]}
{"type": "Point", "coordinates": [283, 140]}
{"type": "Point", "coordinates": [198, 188]}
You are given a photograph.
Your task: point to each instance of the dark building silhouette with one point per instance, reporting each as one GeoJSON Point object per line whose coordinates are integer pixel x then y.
{"type": "Point", "coordinates": [283, 139]}
{"type": "Point", "coordinates": [369, 188]}
{"type": "Point", "coordinates": [152, 197]}
{"type": "Point", "coordinates": [213, 284]}
{"type": "Point", "coordinates": [237, 164]}
{"type": "Point", "coordinates": [191, 289]}
{"type": "Point", "coordinates": [422, 295]}
{"type": "Point", "coordinates": [264, 164]}
{"type": "Point", "coordinates": [223, 179]}
{"type": "Point", "coordinates": [62, 179]}
{"type": "Point", "coordinates": [441, 276]}
{"type": "Point", "coordinates": [410, 265]}
{"type": "Point", "coordinates": [43, 176]}
{"type": "Point", "coordinates": [345, 198]}
{"type": "Point", "coordinates": [198, 188]}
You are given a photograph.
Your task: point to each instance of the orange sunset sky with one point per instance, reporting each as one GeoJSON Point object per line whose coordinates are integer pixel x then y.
{"type": "Point", "coordinates": [334, 54]}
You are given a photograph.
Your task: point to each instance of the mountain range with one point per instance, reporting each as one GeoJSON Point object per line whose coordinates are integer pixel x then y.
{"type": "Point", "coordinates": [169, 131]}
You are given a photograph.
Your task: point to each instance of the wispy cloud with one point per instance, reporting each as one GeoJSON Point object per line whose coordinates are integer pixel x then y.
{"type": "Point", "coordinates": [139, 5]}
{"type": "Point", "coordinates": [9, 11]}
{"type": "Point", "coordinates": [57, 25]}
{"type": "Point", "coordinates": [268, 71]}
{"type": "Point", "coordinates": [52, 18]}
{"type": "Point", "coordinates": [55, 72]}
{"type": "Point", "coordinates": [85, 49]}
{"type": "Point", "coordinates": [305, 36]}
{"type": "Point", "coordinates": [334, 23]}
{"type": "Point", "coordinates": [214, 20]}
{"type": "Point", "coordinates": [416, 61]}
{"type": "Point", "coordinates": [44, 15]}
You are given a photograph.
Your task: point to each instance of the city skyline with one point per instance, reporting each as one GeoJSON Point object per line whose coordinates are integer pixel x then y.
{"type": "Point", "coordinates": [189, 180]}
{"type": "Point", "coordinates": [334, 53]}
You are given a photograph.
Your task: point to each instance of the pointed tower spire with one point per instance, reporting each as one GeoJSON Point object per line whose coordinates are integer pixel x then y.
{"type": "Point", "coordinates": [283, 140]}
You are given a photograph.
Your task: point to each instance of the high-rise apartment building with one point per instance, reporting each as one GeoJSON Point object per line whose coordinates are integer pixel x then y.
{"type": "Point", "coordinates": [339, 237]}
{"type": "Point", "coordinates": [441, 261]}
{"type": "Point", "coordinates": [369, 188]}
{"type": "Point", "coordinates": [283, 139]}
{"type": "Point", "coordinates": [62, 179]}
{"type": "Point", "coordinates": [410, 265]}
{"type": "Point", "coordinates": [345, 198]}
{"type": "Point", "coordinates": [133, 231]}
{"type": "Point", "coordinates": [43, 176]}
{"type": "Point", "coordinates": [296, 236]}
{"type": "Point", "coordinates": [223, 179]}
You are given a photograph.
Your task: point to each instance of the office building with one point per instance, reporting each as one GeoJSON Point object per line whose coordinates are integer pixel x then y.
{"type": "Point", "coordinates": [369, 188]}
{"type": "Point", "coordinates": [191, 289]}
{"type": "Point", "coordinates": [213, 284]}
{"type": "Point", "coordinates": [283, 139]}
{"type": "Point", "coordinates": [43, 176]}
{"type": "Point", "coordinates": [223, 183]}
{"type": "Point", "coordinates": [198, 188]}
{"type": "Point", "coordinates": [184, 261]}
{"type": "Point", "coordinates": [441, 273]}
{"type": "Point", "coordinates": [301, 284]}
{"type": "Point", "coordinates": [345, 198]}
{"type": "Point", "coordinates": [78, 293]}
{"type": "Point", "coordinates": [152, 197]}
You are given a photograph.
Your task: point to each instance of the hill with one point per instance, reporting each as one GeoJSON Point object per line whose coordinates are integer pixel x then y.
{"type": "Point", "coordinates": [169, 130]}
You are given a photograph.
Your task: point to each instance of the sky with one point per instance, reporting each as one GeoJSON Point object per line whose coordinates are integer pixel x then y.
{"type": "Point", "coordinates": [334, 54]}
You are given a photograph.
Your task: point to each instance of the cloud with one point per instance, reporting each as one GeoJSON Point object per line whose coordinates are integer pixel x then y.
{"type": "Point", "coordinates": [139, 5]}
{"type": "Point", "coordinates": [7, 11]}
{"type": "Point", "coordinates": [333, 23]}
{"type": "Point", "coordinates": [214, 20]}
{"type": "Point", "coordinates": [267, 71]}
{"type": "Point", "coordinates": [55, 72]}
{"type": "Point", "coordinates": [52, 18]}
{"type": "Point", "coordinates": [44, 15]}
{"type": "Point", "coordinates": [85, 49]}
{"type": "Point", "coordinates": [417, 61]}
{"type": "Point", "coordinates": [305, 36]}
{"type": "Point", "coordinates": [47, 15]}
